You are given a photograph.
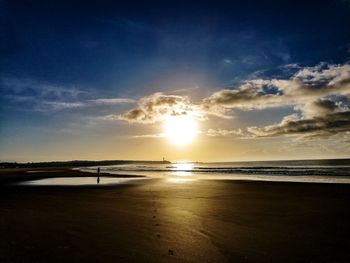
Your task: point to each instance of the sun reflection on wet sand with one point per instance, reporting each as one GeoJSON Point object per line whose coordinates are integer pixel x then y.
{"type": "Point", "coordinates": [179, 180]}
{"type": "Point", "coordinates": [180, 211]}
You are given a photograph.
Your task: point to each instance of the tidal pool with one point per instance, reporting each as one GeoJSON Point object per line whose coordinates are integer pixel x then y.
{"type": "Point", "coordinates": [81, 181]}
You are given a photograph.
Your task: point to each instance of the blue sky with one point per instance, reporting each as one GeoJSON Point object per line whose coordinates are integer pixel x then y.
{"type": "Point", "coordinates": [65, 66]}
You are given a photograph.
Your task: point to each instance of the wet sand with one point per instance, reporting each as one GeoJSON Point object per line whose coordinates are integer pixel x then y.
{"type": "Point", "coordinates": [162, 221]}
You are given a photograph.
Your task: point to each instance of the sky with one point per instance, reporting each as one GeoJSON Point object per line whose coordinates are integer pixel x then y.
{"type": "Point", "coordinates": [250, 80]}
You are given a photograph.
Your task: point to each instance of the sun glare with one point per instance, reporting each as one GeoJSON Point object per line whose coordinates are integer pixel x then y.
{"type": "Point", "coordinates": [180, 129]}
{"type": "Point", "coordinates": [182, 168]}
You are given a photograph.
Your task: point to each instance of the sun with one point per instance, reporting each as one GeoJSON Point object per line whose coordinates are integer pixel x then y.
{"type": "Point", "coordinates": [180, 129]}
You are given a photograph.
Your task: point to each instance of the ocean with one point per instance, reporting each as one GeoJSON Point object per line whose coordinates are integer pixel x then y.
{"type": "Point", "coordinates": [311, 171]}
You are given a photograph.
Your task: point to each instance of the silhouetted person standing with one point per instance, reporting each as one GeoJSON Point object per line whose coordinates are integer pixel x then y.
{"type": "Point", "coordinates": [98, 175]}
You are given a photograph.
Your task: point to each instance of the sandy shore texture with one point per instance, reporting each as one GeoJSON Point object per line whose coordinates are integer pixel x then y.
{"type": "Point", "coordinates": [162, 221]}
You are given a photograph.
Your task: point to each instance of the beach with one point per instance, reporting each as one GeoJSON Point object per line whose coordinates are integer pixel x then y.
{"type": "Point", "coordinates": [159, 220]}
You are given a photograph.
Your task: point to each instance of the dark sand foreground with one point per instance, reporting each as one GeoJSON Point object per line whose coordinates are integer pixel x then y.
{"type": "Point", "coordinates": [160, 221]}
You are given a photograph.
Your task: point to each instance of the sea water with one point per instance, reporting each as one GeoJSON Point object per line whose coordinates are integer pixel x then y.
{"type": "Point", "coordinates": [312, 171]}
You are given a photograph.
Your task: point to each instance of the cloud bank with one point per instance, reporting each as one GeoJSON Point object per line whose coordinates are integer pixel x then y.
{"type": "Point", "coordinates": [320, 97]}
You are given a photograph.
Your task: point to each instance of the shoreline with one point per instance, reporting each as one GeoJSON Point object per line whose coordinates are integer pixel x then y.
{"type": "Point", "coordinates": [12, 176]}
{"type": "Point", "coordinates": [9, 177]}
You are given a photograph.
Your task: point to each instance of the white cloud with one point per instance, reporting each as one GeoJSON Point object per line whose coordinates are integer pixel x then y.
{"type": "Point", "coordinates": [223, 133]}
{"type": "Point", "coordinates": [112, 101]}
{"type": "Point", "coordinates": [157, 106]}
{"type": "Point", "coordinates": [158, 135]}
{"type": "Point", "coordinates": [320, 95]}
{"type": "Point", "coordinates": [49, 105]}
